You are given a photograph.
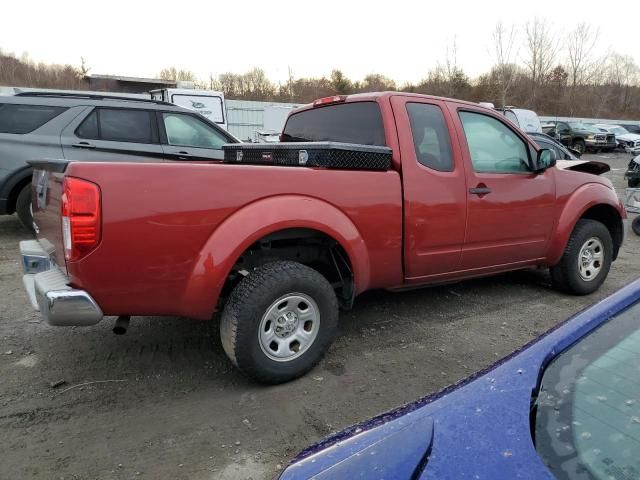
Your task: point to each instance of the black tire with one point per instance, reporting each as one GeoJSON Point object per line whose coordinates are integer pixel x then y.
{"type": "Point", "coordinates": [635, 225]}
{"type": "Point", "coordinates": [566, 276]}
{"type": "Point", "coordinates": [634, 182]}
{"type": "Point", "coordinates": [23, 208]}
{"type": "Point", "coordinates": [580, 146]}
{"type": "Point", "coordinates": [253, 297]}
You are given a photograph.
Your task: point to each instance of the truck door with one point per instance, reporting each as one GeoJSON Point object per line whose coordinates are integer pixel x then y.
{"type": "Point", "coordinates": [563, 133]}
{"type": "Point", "coordinates": [510, 210]}
{"type": "Point", "coordinates": [435, 199]}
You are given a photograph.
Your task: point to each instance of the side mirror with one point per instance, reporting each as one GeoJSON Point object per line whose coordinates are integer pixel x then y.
{"type": "Point", "coordinates": [546, 159]}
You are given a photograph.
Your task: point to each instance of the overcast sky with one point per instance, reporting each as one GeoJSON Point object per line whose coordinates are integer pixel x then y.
{"type": "Point", "coordinates": [398, 38]}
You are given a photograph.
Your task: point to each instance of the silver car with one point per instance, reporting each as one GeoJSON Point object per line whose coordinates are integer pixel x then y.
{"type": "Point", "coordinates": [77, 126]}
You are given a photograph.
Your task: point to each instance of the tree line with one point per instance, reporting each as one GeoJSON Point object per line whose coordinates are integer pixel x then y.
{"type": "Point", "coordinates": [532, 66]}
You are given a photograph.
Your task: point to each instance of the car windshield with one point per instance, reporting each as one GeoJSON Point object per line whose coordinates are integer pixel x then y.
{"type": "Point", "coordinates": [619, 131]}
{"type": "Point", "coordinates": [587, 424]}
{"type": "Point", "coordinates": [581, 126]}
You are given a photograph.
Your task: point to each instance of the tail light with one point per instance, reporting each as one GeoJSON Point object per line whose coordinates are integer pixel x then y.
{"type": "Point", "coordinates": [81, 217]}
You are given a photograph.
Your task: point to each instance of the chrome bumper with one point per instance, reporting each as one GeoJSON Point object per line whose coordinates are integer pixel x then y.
{"type": "Point", "coordinates": [49, 292]}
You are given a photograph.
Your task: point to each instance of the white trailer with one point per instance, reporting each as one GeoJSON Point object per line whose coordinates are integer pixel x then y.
{"type": "Point", "coordinates": [208, 103]}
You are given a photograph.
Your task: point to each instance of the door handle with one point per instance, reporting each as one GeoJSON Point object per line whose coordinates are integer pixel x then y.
{"type": "Point", "coordinates": [84, 145]}
{"type": "Point", "coordinates": [183, 155]}
{"type": "Point", "coordinates": [481, 189]}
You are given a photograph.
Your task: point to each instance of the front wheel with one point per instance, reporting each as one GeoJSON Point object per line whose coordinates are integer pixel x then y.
{"type": "Point", "coordinates": [586, 260]}
{"type": "Point", "coordinates": [635, 225]}
{"type": "Point", "coordinates": [634, 182]}
{"type": "Point", "coordinates": [279, 321]}
{"type": "Point", "coordinates": [579, 146]}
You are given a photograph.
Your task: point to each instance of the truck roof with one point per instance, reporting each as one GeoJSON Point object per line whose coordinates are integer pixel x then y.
{"type": "Point", "coordinates": [374, 96]}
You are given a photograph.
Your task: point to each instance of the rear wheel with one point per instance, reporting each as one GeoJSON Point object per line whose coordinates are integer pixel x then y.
{"type": "Point", "coordinates": [24, 208]}
{"type": "Point", "coordinates": [586, 260]}
{"type": "Point", "coordinates": [634, 182]}
{"type": "Point", "coordinates": [635, 225]}
{"type": "Point", "coordinates": [279, 321]}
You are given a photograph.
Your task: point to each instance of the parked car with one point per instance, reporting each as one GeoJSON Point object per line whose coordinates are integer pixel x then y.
{"type": "Point", "coordinates": [92, 127]}
{"type": "Point", "coordinates": [630, 142]}
{"type": "Point", "coordinates": [632, 175]}
{"type": "Point", "coordinates": [279, 248]}
{"type": "Point", "coordinates": [527, 120]}
{"type": "Point", "coordinates": [563, 407]}
{"type": "Point", "coordinates": [631, 127]}
{"type": "Point", "coordinates": [581, 137]}
{"type": "Point", "coordinates": [560, 151]}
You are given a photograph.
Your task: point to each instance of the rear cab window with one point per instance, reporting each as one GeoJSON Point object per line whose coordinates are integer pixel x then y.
{"type": "Point", "coordinates": [21, 119]}
{"type": "Point", "coordinates": [353, 122]}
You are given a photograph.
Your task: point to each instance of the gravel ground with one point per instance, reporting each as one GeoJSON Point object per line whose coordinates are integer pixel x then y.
{"type": "Point", "coordinates": [163, 402]}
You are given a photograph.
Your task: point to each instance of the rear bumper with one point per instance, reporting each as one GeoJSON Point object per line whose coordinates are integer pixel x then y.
{"type": "Point", "coordinates": [49, 292]}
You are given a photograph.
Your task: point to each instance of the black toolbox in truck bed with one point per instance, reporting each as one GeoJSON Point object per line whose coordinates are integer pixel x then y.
{"type": "Point", "coordinates": [333, 155]}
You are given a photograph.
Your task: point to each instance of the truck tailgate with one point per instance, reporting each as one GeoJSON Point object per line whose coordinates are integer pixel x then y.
{"type": "Point", "coordinates": [47, 194]}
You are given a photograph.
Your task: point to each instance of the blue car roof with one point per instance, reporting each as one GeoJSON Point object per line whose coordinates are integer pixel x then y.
{"type": "Point", "coordinates": [478, 428]}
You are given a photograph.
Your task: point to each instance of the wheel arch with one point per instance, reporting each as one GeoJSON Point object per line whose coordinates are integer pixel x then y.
{"type": "Point", "coordinates": [263, 219]}
{"type": "Point", "coordinates": [12, 187]}
{"type": "Point", "coordinates": [593, 201]}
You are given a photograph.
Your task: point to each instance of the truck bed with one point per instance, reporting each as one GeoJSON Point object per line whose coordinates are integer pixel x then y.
{"type": "Point", "coordinates": [158, 217]}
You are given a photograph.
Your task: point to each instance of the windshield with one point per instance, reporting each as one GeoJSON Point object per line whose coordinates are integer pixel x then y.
{"type": "Point", "coordinates": [619, 131]}
{"type": "Point", "coordinates": [581, 126]}
{"type": "Point", "coordinates": [587, 424]}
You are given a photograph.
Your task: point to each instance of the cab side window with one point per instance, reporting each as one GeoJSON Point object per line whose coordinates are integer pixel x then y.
{"type": "Point", "coordinates": [494, 147]}
{"type": "Point", "coordinates": [430, 136]}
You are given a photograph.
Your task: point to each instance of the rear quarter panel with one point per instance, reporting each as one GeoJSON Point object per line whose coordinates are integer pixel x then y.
{"type": "Point", "coordinates": [159, 219]}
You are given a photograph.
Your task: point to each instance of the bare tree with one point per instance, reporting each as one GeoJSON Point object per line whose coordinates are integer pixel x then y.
{"type": "Point", "coordinates": [340, 83]}
{"type": "Point", "coordinates": [580, 44]}
{"type": "Point", "coordinates": [504, 70]}
{"type": "Point", "coordinates": [541, 50]}
{"type": "Point", "coordinates": [624, 74]}
{"type": "Point", "coordinates": [447, 79]}
{"type": "Point", "coordinates": [83, 71]}
{"type": "Point", "coordinates": [172, 73]}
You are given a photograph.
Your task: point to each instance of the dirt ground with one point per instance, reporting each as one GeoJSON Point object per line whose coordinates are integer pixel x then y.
{"type": "Point", "coordinates": [163, 402]}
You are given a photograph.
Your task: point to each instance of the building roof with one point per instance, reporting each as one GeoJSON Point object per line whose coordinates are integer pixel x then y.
{"type": "Point", "coordinates": [119, 78]}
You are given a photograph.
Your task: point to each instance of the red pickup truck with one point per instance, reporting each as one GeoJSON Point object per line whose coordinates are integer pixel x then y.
{"type": "Point", "coordinates": [279, 249]}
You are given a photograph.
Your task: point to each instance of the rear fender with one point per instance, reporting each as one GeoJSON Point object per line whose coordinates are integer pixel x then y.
{"type": "Point", "coordinates": [584, 198]}
{"type": "Point", "coordinates": [256, 220]}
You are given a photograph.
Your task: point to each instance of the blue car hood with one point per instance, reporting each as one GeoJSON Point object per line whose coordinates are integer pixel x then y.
{"type": "Point", "coordinates": [477, 429]}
